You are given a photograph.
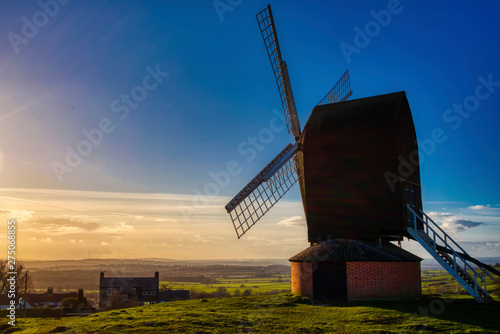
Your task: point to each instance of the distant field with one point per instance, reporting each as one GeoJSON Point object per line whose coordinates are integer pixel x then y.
{"type": "Point", "coordinates": [440, 282]}
{"type": "Point", "coordinates": [256, 285]}
{"type": "Point", "coordinates": [282, 313]}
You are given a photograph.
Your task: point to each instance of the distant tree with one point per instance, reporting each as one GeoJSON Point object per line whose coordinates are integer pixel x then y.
{"type": "Point", "coordinates": [23, 278]}
{"type": "Point", "coordinates": [116, 301]}
{"type": "Point", "coordinates": [165, 287]}
{"type": "Point", "coordinates": [221, 291]}
{"type": "Point", "coordinates": [242, 286]}
{"type": "Point", "coordinates": [247, 292]}
{"type": "Point", "coordinates": [69, 302]}
{"type": "Point", "coordinates": [237, 293]}
{"type": "Point", "coordinates": [79, 302]}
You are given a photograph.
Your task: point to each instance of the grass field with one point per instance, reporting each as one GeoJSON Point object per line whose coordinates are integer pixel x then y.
{"type": "Point", "coordinates": [439, 281]}
{"type": "Point", "coordinates": [256, 285]}
{"type": "Point", "coordinates": [281, 313]}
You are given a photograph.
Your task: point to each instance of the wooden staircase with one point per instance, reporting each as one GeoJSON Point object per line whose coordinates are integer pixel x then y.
{"type": "Point", "coordinates": [449, 254]}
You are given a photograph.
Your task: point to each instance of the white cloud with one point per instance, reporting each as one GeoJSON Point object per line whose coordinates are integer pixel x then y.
{"type": "Point", "coordinates": [487, 208]}
{"type": "Point", "coordinates": [453, 223]}
{"type": "Point", "coordinates": [166, 220]}
{"type": "Point", "coordinates": [47, 240]}
{"type": "Point", "coordinates": [117, 228]}
{"type": "Point", "coordinates": [104, 243]}
{"type": "Point", "coordinates": [292, 221]}
{"type": "Point", "coordinates": [58, 230]}
{"type": "Point", "coordinates": [18, 215]}
{"type": "Point", "coordinates": [73, 241]}
{"type": "Point", "coordinates": [198, 238]}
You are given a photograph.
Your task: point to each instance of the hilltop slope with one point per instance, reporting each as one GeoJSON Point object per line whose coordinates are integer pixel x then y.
{"type": "Point", "coordinates": [281, 314]}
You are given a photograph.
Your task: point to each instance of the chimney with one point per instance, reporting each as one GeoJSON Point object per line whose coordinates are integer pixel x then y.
{"type": "Point", "coordinates": [157, 275]}
{"type": "Point", "coordinates": [102, 274]}
{"type": "Point", "coordinates": [80, 295]}
{"type": "Point", "coordinates": [50, 290]}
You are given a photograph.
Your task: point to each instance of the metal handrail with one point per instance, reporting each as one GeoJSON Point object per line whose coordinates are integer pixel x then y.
{"type": "Point", "coordinates": [445, 240]}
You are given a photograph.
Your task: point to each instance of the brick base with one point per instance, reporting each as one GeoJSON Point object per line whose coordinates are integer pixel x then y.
{"type": "Point", "coordinates": [383, 280]}
{"type": "Point", "coordinates": [366, 280]}
{"type": "Point", "coordinates": [302, 283]}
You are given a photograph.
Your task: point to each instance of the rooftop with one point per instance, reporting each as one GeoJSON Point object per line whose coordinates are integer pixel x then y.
{"type": "Point", "coordinates": [353, 250]}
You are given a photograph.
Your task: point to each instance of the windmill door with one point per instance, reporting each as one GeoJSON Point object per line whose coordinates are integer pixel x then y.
{"type": "Point", "coordinates": [330, 280]}
{"type": "Point", "coordinates": [412, 195]}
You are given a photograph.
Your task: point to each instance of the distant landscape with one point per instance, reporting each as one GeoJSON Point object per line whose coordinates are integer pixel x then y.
{"type": "Point", "coordinates": [254, 296]}
{"type": "Point", "coordinates": [261, 276]}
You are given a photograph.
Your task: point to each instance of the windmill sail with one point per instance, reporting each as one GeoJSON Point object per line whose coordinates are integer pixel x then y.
{"type": "Point", "coordinates": [340, 92]}
{"type": "Point", "coordinates": [268, 31]}
{"type": "Point", "coordinates": [264, 190]}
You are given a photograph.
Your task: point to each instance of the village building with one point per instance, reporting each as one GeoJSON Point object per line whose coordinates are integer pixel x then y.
{"type": "Point", "coordinates": [136, 291]}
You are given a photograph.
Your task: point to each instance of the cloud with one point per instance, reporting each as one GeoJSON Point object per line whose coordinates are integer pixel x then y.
{"type": "Point", "coordinates": [118, 228]}
{"type": "Point", "coordinates": [292, 221]}
{"type": "Point", "coordinates": [18, 215]}
{"type": "Point", "coordinates": [487, 208]}
{"type": "Point", "coordinates": [53, 229]}
{"type": "Point", "coordinates": [459, 225]}
{"type": "Point", "coordinates": [55, 224]}
{"type": "Point", "coordinates": [453, 223]}
{"type": "Point", "coordinates": [197, 238]}
{"type": "Point", "coordinates": [104, 243]}
{"type": "Point", "coordinates": [166, 220]}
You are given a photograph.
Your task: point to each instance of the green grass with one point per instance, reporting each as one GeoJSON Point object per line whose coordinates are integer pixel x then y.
{"type": "Point", "coordinates": [282, 313]}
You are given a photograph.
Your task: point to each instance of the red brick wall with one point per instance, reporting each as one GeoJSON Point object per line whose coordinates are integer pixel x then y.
{"type": "Point", "coordinates": [302, 283]}
{"type": "Point", "coordinates": [367, 280]}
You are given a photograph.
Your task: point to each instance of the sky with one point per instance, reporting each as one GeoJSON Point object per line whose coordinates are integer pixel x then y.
{"type": "Point", "coordinates": [119, 120]}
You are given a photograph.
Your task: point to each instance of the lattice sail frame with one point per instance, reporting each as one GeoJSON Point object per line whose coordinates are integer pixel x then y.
{"type": "Point", "coordinates": [268, 31]}
{"type": "Point", "coordinates": [265, 190]}
{"type": "Point", "coordinates": [340, 92]}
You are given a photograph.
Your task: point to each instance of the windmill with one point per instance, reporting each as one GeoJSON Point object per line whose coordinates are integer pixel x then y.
{"type": "Point", "coordinates": [357, 166]}
{"type": "Point", "coordinates": [258, 196]}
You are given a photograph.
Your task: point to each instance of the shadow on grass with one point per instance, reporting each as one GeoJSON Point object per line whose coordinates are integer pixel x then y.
{"type": "Point", "coordinates": [461, 310]}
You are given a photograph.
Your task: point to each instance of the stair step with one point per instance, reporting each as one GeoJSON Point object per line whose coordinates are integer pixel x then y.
{"type": "Point", "coordinates": [455, 264]}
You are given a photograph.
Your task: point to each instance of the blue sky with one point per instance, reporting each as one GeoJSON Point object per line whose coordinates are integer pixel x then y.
{"type": "Point", "coordinates": [72, 72]}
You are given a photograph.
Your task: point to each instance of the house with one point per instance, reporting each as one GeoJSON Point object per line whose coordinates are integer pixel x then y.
{"type": "Point", "coordinates": [136, 291]}
{"type": "Point", "coordinates": [133, 290]}
{"type": "Point", "coordinates": [5, 302]}
{"type": "Point", "coordinates": [46, 299]}
{"type": "Point", "coordinates": [49, 298]}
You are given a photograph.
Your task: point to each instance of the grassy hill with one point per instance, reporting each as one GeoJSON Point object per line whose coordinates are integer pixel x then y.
{"type": "Point", "coordinates": [282, 313]}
